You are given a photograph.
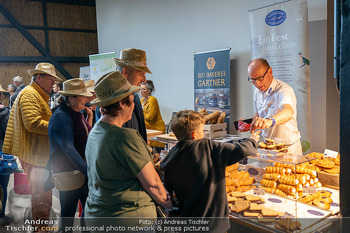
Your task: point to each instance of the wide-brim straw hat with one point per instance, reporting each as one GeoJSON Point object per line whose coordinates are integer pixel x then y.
{"type": "Point", "coordinates": [134, 58]}
{"type": "Point", "coordinates": [44, 68]}
{"type": "Point", "coordinates": [90, 85]}
{"type": "Point", "coordinates": [111, 88]}
{"type": "Point", "coordinates": [74, 87]}
{"type": "Point", "coordinates": [2, 89]}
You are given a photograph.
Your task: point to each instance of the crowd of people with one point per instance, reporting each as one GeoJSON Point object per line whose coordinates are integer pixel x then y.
{"type": "Point", "coordinates": [89, 141]}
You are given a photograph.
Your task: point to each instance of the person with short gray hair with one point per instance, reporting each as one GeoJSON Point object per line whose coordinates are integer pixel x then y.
{"type": "Point", "coordinates": [18, 82]}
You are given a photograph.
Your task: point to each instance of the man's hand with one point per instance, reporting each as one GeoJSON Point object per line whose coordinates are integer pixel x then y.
{"type": "Point", "coordinates": [260, 123]}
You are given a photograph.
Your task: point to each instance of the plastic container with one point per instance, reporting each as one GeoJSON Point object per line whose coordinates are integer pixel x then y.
{"type": "Point", "coordinates": [21, 185]}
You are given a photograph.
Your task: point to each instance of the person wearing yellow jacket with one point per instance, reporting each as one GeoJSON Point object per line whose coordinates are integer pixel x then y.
{"type": "Point", "coordinates": [151, 111]}
{"type": "Point", "coordinates": [27, 137]}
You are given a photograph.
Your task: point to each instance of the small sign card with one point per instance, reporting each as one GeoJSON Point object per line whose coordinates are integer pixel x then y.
{"type": "Point", "coordinates": [259, 191]}
{"type": "Point", "coordinates": [310, 189]}
{"type": "Point", "coordinates": [330, 153]}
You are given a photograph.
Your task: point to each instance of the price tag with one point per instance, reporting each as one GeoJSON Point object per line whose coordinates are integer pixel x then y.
{"type": "Point", "coordinates": [311, 189]}
{"type": "Point", "coordinates": [259, 191]}
{"type": "Point", "coordinates": [330, 153]}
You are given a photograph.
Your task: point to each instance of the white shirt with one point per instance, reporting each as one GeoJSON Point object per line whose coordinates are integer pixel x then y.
{"type": "Point", "coordinates": [270, 102]}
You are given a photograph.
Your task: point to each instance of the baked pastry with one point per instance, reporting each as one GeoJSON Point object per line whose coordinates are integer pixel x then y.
{"type": "Point", "coordinates": [337, 160]}
{"type": "Point", "coordinates": [285, 165]}
{"type": "Point", "coordinates": [203, 111]}
{"type": "Point", "coordinates": [288, 179]}
{"type": "Point", "coordinates": [325, 163]}
{"type": "Point", "coordinates": [250, 214]}
{"type": "Point", "coordinates": [280, 193]}
{"type": "Point", "coordinates": [272, 146]}
{"type": "Point", "coordinates": [252, 198]}
{"type": "Point", "coordinates": [212, 118]}
{"type": "Point", "coordinates": [321, 203]}
{"type": "Point", "coordinates": [267, 212]}
{"type": "Point", "coordinates": [237, 194]}
{"type": "Point", "coordinates": [305, 170]}
{"type": "Point", "coordinates": [271, 176]}
{"type": "Point", "coordinates": [269, 141]}
{"type": "Point", "coordinates": [241, 205]}
{"type": "Point", "coordinates": [326, 199]}
{"type": "Point", "coordinates": [262, 145]}
{"type": "Point", "coordinates": [231, 199]}
{"type": "Point", "coordinates": [288, 189]}
{"type": "Point", "coordinates": [244, 188]}
{"type": "Point", "coordinates": [221, 118]}
{"type": "Point", "coordinates": [243, 182]}
{"type": "Point", "coordinates": [279, 170]}
{"type": "Point", "coordinates": [255, 207]}
{"type": "Point", "coordinates": [307, 198]}
{"type": "Point", "coordinates": [268, 183]}
{"type": "Point", "coordinates": [324, 193]}
{"type": "Point", "coordinates": [318, 184]}
{"type": "Point", "coordinates": [334, 170]}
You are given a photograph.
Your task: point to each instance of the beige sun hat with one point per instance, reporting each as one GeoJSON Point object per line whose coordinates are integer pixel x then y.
{"type": "Point", "coordinates": [2, 89]}
{"type": "Point", "coordinates": [44, 68]}
{"type": "Point", "coordinates": [73, 87]}
{"type": "Point", "coordinates": [134, 58]}
{"type": "Point", "coordinates": [89, 85]}
{"type": "Point", "coordinates": [111, 88]}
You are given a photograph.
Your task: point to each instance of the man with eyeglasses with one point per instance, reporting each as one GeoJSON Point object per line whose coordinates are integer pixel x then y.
{"type": "Point", "coordinates": [275, 105]}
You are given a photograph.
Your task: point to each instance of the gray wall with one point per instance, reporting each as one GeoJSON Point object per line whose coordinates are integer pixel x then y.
{"type": "Point", "coordinates": [171, 31]}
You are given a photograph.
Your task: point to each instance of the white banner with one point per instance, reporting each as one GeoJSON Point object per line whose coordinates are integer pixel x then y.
{"type": "Point", "coordinates": [101, 64]}
{"type": "Point", "coordinates": [280, 34]}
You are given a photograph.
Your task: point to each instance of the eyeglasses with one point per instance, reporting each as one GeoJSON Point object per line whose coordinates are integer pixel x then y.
{"type": "Point", "coordinates": [253, 80]}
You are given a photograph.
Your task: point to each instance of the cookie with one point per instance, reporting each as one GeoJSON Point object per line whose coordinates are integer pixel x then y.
{"type": "Point", "coordinates": [241, 205]}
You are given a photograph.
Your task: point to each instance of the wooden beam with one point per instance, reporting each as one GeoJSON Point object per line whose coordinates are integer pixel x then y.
{"type": "Point", "coordinates": [70, 2]}
{"type": "Point", "coordinates": [24, 59]}
{"type": "Point", "coordinates": [50, 28]}
{"type": "Point", "coordinates": [32, 40]}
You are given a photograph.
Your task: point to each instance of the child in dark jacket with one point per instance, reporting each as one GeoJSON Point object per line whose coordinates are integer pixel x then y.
{"type": "Point", "coordinates": [195, 169]}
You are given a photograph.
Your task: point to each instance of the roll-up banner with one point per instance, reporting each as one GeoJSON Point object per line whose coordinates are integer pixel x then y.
{"type": "Point", "coordinates": [212, 80]}
{"type": "Point", "coordinates": [101, 64]}
{"type": "Point", "coordinates": [280, 34]}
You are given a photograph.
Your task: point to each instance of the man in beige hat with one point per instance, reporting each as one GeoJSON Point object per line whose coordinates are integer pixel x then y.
{"type": "Point", "coordinates": [27, 136]}
{"type": "Point", "coordinates": [132, 63]}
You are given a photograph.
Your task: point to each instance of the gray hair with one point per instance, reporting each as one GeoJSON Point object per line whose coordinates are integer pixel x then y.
{"type": "Point", "coordinates": [18, 79]}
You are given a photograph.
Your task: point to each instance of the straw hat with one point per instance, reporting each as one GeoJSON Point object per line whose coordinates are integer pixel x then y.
{"type": "Point", "coordinates": [44, 68]}
{"type": "Point", "coordinates": [2, 89]}
{"type": "Point", "coordinates": [89, 85]}
{"type": "Point", "coordinates": [134, 58]}
{"type": "Point", "coordinates": [73, 87]}
{"type": "Point", "coordinates": [111, 88]}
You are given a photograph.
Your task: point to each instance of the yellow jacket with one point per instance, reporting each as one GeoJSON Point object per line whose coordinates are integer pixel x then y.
{"type": "Point", "coordinates": [27, 130]}
{"type": "Point", "coordinates": [153, 118]}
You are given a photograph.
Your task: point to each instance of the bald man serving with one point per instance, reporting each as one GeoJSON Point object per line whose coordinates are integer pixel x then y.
{"type": "Point", "coordinates": [275, 105]}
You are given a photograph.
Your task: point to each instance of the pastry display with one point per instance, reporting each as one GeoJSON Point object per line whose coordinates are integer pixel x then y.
{"type": "Point", "coordinates": [325, 164]}
{"type": "Point", "coordinates": [237, 180]}
{"type": "Point", "coordinates": [216, 117]}
{"type": "Point", "coordinates": [270, 144]}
